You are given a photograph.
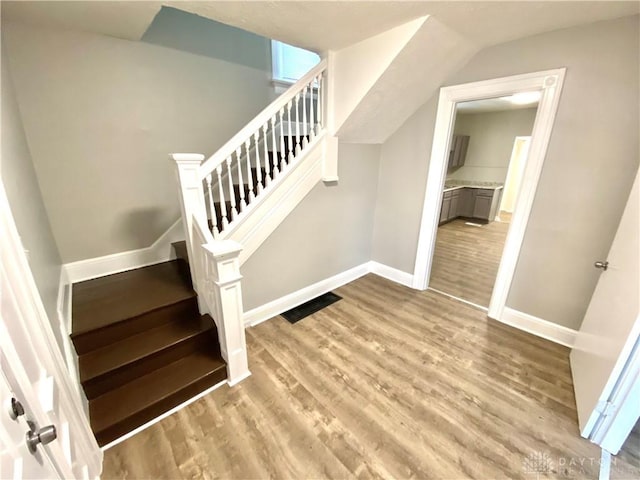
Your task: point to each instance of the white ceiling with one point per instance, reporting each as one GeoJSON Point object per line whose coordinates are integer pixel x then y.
{"type": "Point", "coordinates": [322, 25]}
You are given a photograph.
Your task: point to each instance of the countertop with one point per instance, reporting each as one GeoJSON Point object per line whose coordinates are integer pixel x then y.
{"type": "Point", "coordinates": [448, 187]}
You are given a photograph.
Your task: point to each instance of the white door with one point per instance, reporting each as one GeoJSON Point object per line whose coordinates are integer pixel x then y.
{"type": "Point", "coordinates": [44, 432]}
{"type": "Point", "coordinates": [16, 460]}
{"type": "Point", "coordinates": [611, 327]}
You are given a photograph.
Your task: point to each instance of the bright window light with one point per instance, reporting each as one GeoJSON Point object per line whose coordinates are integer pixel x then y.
{"type": "Point", "coordinates": [291, 63]}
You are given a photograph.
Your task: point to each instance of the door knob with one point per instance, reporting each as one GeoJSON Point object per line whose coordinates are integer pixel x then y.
{"type": "Point", "coordinates": [603, 265]}
{"type": "Point", "coordinates": [44, 436]}
{"type": "Point", "coordinates": [16, 409]}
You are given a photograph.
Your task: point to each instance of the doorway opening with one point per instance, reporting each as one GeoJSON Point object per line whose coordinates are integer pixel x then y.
{"type": "Point", "coordinates": [549, 85]}
{"type": "Point", "coordinates": [487, 155]}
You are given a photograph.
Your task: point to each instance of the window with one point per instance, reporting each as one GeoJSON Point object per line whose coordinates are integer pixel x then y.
{"type": "Point", "coordinates": [290, 63]}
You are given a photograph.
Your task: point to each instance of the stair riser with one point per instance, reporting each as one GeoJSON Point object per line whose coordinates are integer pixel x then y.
{"type": "Point", "coordinates": [86, 342]}
{"type": "Point", "coordinates": [110, 380]}
{"type": "Point", "coordinates": [140, 418]}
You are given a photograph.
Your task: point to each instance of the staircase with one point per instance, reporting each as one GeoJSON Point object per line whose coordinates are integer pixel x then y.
{"type": "Point", "coordinates": [143, 347]}
{"type": "Point", "coordinates": [152, 338]}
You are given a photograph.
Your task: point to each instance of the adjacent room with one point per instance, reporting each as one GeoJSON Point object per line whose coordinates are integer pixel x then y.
{"type": "Point", "coordinates": [487, 155]}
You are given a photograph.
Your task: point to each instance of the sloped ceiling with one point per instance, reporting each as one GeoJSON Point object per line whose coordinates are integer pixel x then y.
{"type": "Point", "coordinates": [325, 25]}
{"type": "Point", "coordinates": [452, 34]}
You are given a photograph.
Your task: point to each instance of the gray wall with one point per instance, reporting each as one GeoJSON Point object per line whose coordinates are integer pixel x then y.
{"type": "Point", "coordinates": [491, 142]}
{"type": "Point", "coordinates": [25, 200]}
{"type": "Point", "coordinates": [101, 116]}
{"type": "Point", "coordinates": [590, 165]}
{"type": "Point", "coordinates": [329, 232]}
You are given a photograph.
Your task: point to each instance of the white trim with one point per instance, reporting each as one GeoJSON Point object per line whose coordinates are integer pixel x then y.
{"type": "Point", "coordinates": [233, 383]}
{"type": "Point", "coordinates": [550, 84]}
{"type": "Point", "coordinates": [390, 273]}
{"type": "Point", "coordinates": [150, 423]}
{"type": "Point", "coordinates": [269, 310]}
{"type": "Point", "coordinates": [605, 465]}
{"type": "Point", "coordinates": [64, 325]}
{"type": "Point", "coordinates": [35, 320]}
{"type": "Point", "coordinates": [458, 299]}
{"type": "Point", "coordinates": [160, 251]}
{"type": "Point", "coordinates": [539, 327]}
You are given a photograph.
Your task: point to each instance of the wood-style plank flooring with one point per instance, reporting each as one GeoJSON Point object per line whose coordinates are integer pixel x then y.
{"type": "Point", "coordinates": [466, 259]}
{"type": "Point", "coordinates": [388, 382]}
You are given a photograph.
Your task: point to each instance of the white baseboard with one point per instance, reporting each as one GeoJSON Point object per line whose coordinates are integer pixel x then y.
{"type": "Point", "coordinates": [390, 273]}
{"type": "Point", "coordinates": [292, 300]}
{"type": "Point", "coordinates": [539, 327]}
{"type": "Point", "coordinates": [159, 252]}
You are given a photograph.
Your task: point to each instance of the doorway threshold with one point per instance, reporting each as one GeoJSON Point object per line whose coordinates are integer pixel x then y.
{"type": "Point", "coordinates": [458, 299]}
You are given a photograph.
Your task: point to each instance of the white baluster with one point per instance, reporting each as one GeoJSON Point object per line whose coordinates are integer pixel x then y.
{"type": "Point", "coordinates": [256, 141]}
{"type": "Point", "coordinates": [247, 147]}
{"type": "Point", "coordinates": [283, 153]}
{"type": "Point", "coordinates": [297, 146]}
{"type": "Point", "coordinates": [223, 204]}
{"type": "Point", "coordinates": [290, 156]}
{"type": "Point", "coordinates": [304, 117]}
{"type": "Point", "coordinates": [320, 102]}
{"type": "Point", "coordinates": [273, 145]}
{"type": "Point", "coordinates": [267, 163]}
{"type": "Point", "coordinates": [312, 123]}
{"type": "Point", "coordinates": [212, 210]}
{"type": "Point", "coordinates": [243, 204]}
{"type": "Point", "coordinates": [232, 193]}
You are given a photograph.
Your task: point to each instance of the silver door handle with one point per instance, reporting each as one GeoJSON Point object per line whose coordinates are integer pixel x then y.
{"type": "Point", "coordinates": [43, 435]}
{"type": "Point", "coordinates": [603, 265]}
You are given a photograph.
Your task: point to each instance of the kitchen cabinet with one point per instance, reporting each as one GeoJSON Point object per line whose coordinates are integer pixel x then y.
{"type": "Point", "coordinates": [482, 207]}
{"type": "Point", "coordinates": [453, 207]}
{"type": "Point", "coordinates": [473, 203]}
{"type": "Point", "coordinates": [446, 206]}
{"type": "Point", "coordinates": [458, 151]}
{"type": "Point", "coordinates": [487, 203]}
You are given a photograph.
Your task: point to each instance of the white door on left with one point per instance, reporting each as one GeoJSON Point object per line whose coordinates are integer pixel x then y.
{"type": "Point", "coordinates": [44, 432]}
{"type": "Point", "coordinates": [16, 460]}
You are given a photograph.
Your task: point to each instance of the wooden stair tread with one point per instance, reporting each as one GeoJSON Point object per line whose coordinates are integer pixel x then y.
{"type": "Point", "coordinates": [136, 347]}
{"type": "Point", "coordinates": [114, 298]}
{"type": "Point", "coordinates": [118, 405]}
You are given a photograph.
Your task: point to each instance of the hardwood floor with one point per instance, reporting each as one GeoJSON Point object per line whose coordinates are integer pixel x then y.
{"type": "Point", "coordinates": [387, 382]}
{"type": "Point", "coordinates": [466, 259]}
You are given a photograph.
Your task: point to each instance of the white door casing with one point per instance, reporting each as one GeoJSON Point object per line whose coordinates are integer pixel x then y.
{"type": "Point", "coordinates": [549, 83]}
{"type": "Point", "coordinates": [34, 372]}
{"type": "Point", "coordinates": [605, 353]}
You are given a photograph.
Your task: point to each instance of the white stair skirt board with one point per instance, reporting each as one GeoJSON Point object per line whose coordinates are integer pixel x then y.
{"type": "Point", "coordinates": [159, 251]}
{"type": "Point", "coordinates": [539, 327]}
{"type": "Point", "coordinates": [163, 416]}
{"type": "Point", "coordinates": [64, 326]}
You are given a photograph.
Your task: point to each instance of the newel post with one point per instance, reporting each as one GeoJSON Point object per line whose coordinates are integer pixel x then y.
{"type": "Point", "coordinates": [223, 281]}
{"type": "Point", "coordinates": [191, 198]}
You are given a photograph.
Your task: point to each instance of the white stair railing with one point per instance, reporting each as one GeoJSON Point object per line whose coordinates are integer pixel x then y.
{"type": "Point", "coordinates": [217, 194]}
{"type": "Point", "coordinates": [259, 154]}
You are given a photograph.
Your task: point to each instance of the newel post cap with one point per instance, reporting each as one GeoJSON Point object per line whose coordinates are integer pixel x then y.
{"type": "Point", "coordinates": [187, 158]}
